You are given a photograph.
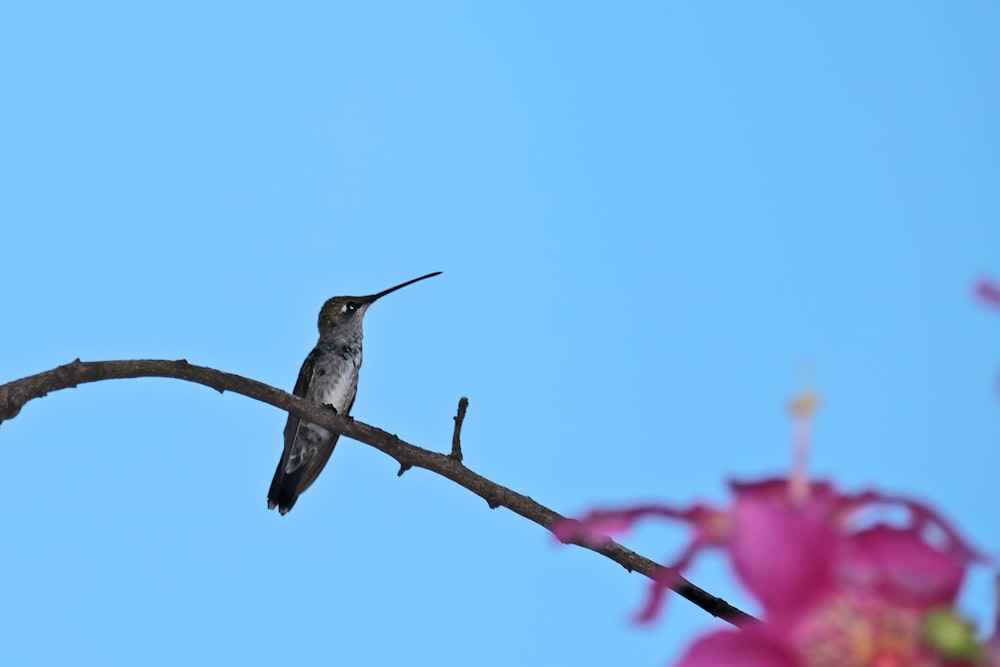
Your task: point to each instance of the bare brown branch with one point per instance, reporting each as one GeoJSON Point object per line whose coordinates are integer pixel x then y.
{"type": "Point", "coordinates": [14, 395]}
{"type": "Point", "coordinates": [456, 437]}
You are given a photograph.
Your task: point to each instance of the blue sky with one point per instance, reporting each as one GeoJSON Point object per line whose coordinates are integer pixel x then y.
{"type": "Point", "coordinates": [651, 218]}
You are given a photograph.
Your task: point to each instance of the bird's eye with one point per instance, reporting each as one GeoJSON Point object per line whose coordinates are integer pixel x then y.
{"type": "Point", "coordinates": [351, 306]}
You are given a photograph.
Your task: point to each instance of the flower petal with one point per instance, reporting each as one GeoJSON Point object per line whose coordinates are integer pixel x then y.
{"type": "Point", "coordinates": [784, 551]}
{"type": "Point", "coordinates": [988, 292]}
{"type": "Point", "coordinates": [899, 564]}
{"type": "Point", "coordinates": [747, 648]}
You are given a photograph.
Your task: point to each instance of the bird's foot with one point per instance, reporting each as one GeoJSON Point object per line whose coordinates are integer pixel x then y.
{"type": "Point", "coordinates": [345, 416]}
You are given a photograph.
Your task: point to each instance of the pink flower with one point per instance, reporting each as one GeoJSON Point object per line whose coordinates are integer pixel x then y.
{"type": "Point", "coordinates": [988, 292]}
{"type": "Point", "coordinates": [750, 647]}
{"type": "Point", "coordinates": [835, 591]}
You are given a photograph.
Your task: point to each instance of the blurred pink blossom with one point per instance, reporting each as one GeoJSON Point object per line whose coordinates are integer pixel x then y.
{"type": "Point", "coordinates": [835, 588]}
{"type": "Point", "coordinates": [988, 292]}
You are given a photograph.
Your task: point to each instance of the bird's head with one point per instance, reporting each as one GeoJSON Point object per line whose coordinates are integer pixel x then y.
{"type": "Point", "coordinates": [345, 313]}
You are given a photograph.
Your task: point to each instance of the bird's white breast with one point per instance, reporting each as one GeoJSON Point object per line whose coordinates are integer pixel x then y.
{"type": "Point", "coordinates": [339, 385]}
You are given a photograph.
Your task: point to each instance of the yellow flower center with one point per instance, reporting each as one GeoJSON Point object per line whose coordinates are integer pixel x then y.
{"type": "Point", "coordinates": [853, 631]}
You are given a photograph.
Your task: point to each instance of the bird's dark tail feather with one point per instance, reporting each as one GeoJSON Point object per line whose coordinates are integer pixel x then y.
{"type": "Point", "coordinates": [284, 490]}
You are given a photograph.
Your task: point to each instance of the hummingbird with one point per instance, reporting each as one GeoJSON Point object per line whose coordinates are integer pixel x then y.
{"type": "Point", "coordinates": [329, 378]}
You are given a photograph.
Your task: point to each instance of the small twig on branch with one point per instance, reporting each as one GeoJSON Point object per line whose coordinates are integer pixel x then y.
{"type": "Point", "coordinates": [456, 437]}
{"type": "Point", "coordinates": [14, 395]}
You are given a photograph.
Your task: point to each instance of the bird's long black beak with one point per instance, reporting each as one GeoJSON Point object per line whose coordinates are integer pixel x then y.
{"type": "Point", "coordinates": [375, 297]}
